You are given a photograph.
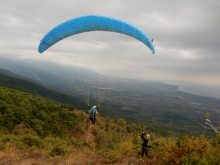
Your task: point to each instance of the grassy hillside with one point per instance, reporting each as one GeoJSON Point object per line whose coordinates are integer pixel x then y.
{"type": "Point", "coordinates": [12, 80]}
{"type": "Point", "coordinates": [142, 101]}
{"type": "Point", "coordinates": [36, 130]}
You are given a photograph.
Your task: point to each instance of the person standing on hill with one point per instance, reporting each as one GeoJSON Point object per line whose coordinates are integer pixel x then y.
{"type": "Point", "coordinates": [145, 139]}
{"type": "Point", "coordinates": [92, 114]}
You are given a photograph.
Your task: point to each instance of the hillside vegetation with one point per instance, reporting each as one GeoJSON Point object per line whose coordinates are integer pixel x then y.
{"type": "Point", "coordinates": [36, 130]}
{"type": "Point", "coordinates": [149, 102]}
{"type": "Point", "coordinates": [10, 79]}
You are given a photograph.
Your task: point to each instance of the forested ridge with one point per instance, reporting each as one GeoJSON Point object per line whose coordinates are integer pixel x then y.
{"type": "Point", "coordinates": [37, 130]}
{"type": "Point", "coordinates": [10, 79]}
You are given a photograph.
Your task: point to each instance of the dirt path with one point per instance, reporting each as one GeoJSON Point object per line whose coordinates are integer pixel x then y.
{"type": "Point", "coordinates": [89, 134]}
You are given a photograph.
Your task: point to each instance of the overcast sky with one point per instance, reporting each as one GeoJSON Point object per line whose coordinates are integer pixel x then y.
{"type": "Point", "coordinates": [186, 37]}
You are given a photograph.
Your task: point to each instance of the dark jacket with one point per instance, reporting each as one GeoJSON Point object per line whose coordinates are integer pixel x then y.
{"type": "Point", "coordinates": [145, 141]}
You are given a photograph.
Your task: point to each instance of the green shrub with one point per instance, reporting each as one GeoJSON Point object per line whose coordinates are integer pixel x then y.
{"type": "Point", "coordinates": [77, 143]}
{"type": "Point", "coordinates": [31, 140]}
{"type": "Point", "coordinates": [5, 138]}
{"type": "Point", "coordinates": [2, 146]}
{"type": "Point", "coordinates": [59, 150]}
{"type": "Point", "coordinates": [111, 157]}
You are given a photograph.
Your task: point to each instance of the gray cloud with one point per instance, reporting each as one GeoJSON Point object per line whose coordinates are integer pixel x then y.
{"type": "Point", "coordinates": [186, 36]}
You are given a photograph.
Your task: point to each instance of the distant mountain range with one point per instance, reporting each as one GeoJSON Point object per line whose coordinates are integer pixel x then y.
{"type": "Point", "coordinates": [62, 78]}
{"type": "Point", "coordinates": [45, 72]}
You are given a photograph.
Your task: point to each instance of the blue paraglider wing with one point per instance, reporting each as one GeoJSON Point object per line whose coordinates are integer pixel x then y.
{"type": "Point", "coordinates": [92, 23]}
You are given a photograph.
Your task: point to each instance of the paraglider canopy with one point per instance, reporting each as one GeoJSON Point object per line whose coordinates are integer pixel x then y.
{"type": "Point", "coordinates": [92, 23]}
{"type": "Point", "coordinates": [88, 24]}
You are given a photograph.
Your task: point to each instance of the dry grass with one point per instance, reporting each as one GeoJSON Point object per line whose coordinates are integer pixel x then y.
{"type": "Point", "coordinates": [13, 156]}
